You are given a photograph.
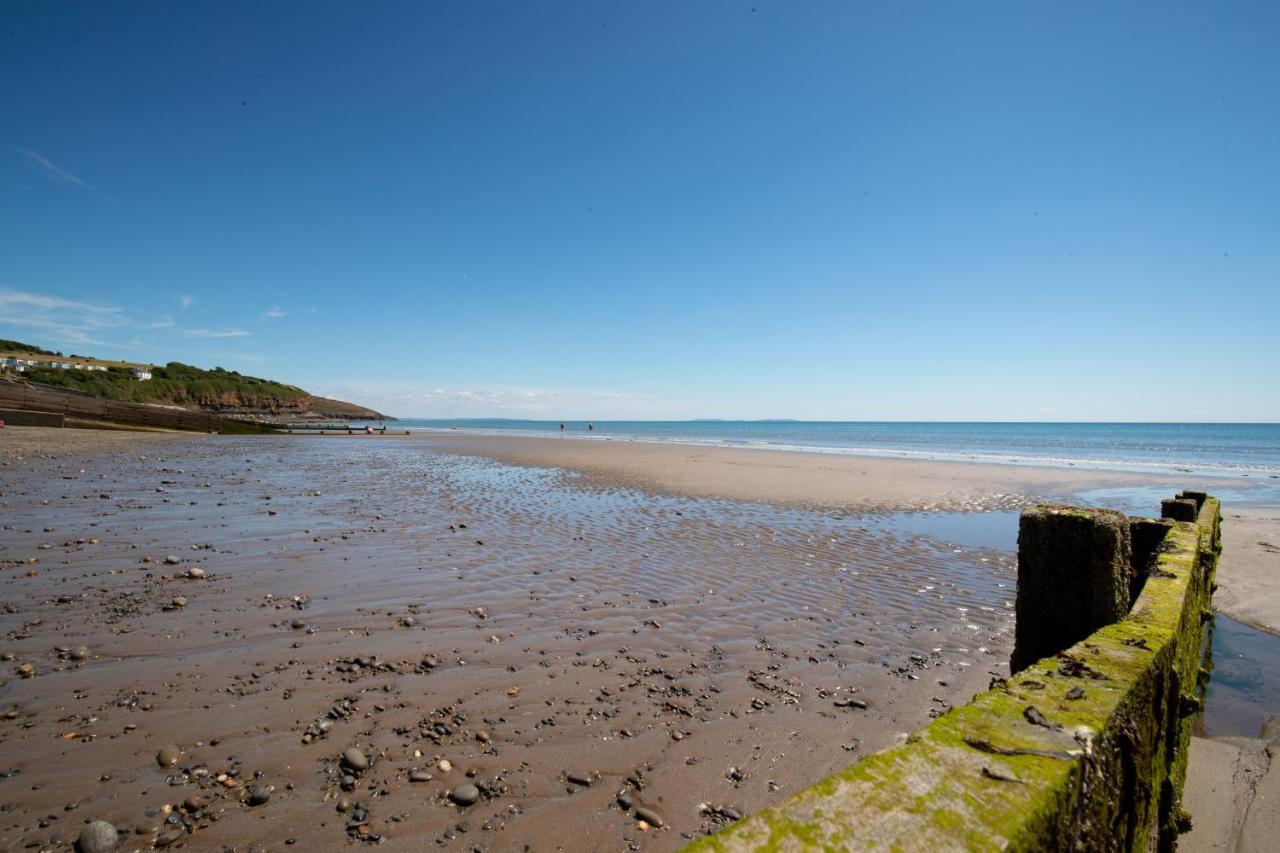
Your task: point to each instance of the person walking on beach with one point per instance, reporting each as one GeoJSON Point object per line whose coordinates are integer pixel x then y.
{"type": "Point", "coordinates": [590, 427]}
{"type": "Point", "coordinates": [562, 427]}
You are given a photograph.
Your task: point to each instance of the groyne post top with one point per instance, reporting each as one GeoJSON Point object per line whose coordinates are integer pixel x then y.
{"type": "Point", "coordinates": [1179, 508]}
{"type": "Point", "coordinates": [1075, 575]}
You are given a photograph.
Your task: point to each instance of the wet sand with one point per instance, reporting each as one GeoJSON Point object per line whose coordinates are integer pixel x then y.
{"type": "Point", "coordinates": [699, 657]}
{"type": "Point", "coordinates": [594, 657]}
{"type": "Point", "coordinates": [1249, 572]}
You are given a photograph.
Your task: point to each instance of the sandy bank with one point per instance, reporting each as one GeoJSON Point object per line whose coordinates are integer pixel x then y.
{"type": "Point", "coordinates": [857, 482]}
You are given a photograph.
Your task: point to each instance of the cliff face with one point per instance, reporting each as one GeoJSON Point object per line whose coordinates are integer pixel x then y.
{"type": "Point", "coordinates": [306, 407]}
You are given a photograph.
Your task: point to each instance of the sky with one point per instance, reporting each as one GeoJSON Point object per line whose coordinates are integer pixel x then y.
{"type": "Point", "coordinates": [659, 210]}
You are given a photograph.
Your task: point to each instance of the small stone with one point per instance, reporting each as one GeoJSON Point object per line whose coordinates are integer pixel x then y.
{"type": "Point", "coordinates": [259, 795]}
{"type": "Point", "coordinates": [80, 653]}
{"type": "Point", "coordinates": [418, 775]}
{"type": "Point", "coordinates": [179, 601]}
{"type": "Point", "coordinates": [344, 805]}
{"type": "Point", "coordinates": [26, 670]}
{"type": "Point", "coordinates": [193, 803]}
{"type": "Point", "coordinates": [444, 765]}
{"type": "Point", "coordinates": [583, 779]}
{"type": "Point", "coordinates": [98, 836]}
{"type": "Point", "coordinates": [173, 559]}
{"type": "Point", "coordinates": [169, 755]}
{"type": "Point", "coordinates": [169, 836]}
{"type": "Point", "coordinates": [649, 816]}
{"type": "Point", "coordinates": [355, 760]}
{"type": "Point", "coordinates": [465, 795]}
{"type": "Point", "coordinates": [195, 573]}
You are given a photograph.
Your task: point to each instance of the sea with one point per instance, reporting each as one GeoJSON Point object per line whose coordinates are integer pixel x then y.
{"type": "Point", "coordinates": [1229, 450]}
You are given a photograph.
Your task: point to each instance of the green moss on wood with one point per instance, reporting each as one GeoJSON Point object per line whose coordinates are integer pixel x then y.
{"type": "Point", "coordinates": [1107, 774]}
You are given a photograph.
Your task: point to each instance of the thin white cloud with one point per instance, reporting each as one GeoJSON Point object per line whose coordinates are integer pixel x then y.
{"type": "Point", "coordinates": [185, 300]}
{"type": "Point", "coordinates": [53, 171]}
{"type": "Point", "coordinates": [497, 401]}
{"type": "Point", "coordinates": [70, 321]}
{"type": "Point", "coordinates": [217, 333]}
{"type": "Point", "coordinates": [275, 312]}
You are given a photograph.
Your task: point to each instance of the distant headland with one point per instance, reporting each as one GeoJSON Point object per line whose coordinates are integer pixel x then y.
{"type": "Point", "coordinates": [217, 391]}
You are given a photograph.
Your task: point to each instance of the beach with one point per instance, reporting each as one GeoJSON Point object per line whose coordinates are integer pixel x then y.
{"type": "Point", "coordinates": [484, 642]}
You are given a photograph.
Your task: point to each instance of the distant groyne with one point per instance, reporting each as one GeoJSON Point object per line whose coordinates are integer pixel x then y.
{"type": "Point", "coordinates": [25, 404]}
{"type": "Point", "coordinates": [1084, 746]}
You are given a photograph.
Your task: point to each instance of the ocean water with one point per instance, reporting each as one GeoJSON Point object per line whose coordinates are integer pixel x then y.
{"type": "Point", "coordinates": [1228, 450]}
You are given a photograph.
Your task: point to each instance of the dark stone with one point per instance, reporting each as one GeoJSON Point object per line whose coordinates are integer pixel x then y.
{"type": "Point", "coordinates": [169, 755]}
{"type": "Point", "coordinates": [355, 760]}
{"type": "Point", "coordinates": [465, 795]}
{"type": "Point", "coordinates": [649, 816]}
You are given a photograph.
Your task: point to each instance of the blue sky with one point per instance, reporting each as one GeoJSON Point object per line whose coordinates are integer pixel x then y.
{"type": "Point", "coordinates": [665, 210]}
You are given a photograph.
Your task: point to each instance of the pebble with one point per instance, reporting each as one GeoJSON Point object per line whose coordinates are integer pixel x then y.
{"type": "Point", "coordinates": [355, 760]}
{"type": "Point", "coordinates": [26, 670]}
{"type": "Point", "coordinates": [173, 559]}
{"type": "Point", "coordinates": [584, 779]}
{"type": "Point", "coordinates": [465, 795]}
{"type": "Point", "coordinates": [259, 795]}
{"type": "Point", "coordinates": [444, 765]}
{"type": "Point", "coordinates": [98, 837]}
{"type": "Point", "coordinates": [169, 836]}
{"type": "Point", "coordinates": [419, 776]}
{"type": "Point", "coordinates": [649, 816]}
{"type": "Point", "coordinates": [195, 573]}
{"type": "Point", "coordinates": [169, 755]}
{"type": "Point", "coordinates": [80, 653]}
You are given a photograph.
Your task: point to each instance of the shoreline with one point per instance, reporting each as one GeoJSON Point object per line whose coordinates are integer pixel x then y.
{"type": "Point", "coordinates": [1135, 467]}
{"type": "Point", "coordinates": [846, 481]}
{"type": "Point", "coordinates": [1248, 576]}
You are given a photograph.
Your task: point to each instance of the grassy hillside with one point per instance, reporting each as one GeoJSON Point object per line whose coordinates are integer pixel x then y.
{"type": "Point", "coordinates": [178, 384]}
{"type": "Point", "coordinates": [181, 385]}
{"type": "Point", "coordinates": [19, 346]}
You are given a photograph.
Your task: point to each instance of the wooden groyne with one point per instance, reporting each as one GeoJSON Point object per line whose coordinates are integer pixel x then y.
{"type": "Point", "coordinates": [1084, 746]}
{"type": "Point", "coordinates": [43, 406]}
